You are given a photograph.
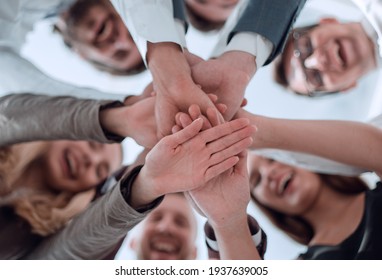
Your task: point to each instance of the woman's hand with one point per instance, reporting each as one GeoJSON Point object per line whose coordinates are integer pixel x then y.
{"type": "Point", "coordinates": [189, 158]}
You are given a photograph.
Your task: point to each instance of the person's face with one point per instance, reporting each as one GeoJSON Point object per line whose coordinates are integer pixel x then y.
{"type": "Point", "coordinates": [100, 35]}
{"type": "Point", "coordinates": [281, 187]}
{"type": "Point", "coordinates": [168, 233]}
{"type": "Point", "coordinates": [330, 57]}
{"type": "Point", "coordinates": [212, 10]}
{"type": "Point", "coordinates": [80, 165]}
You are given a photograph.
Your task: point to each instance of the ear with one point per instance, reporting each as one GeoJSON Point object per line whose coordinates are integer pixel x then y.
{"type": "Point", "coordinates": [328, 20]}
{"type": "Point", "coordinates": [132, 244]}
{"type": "Point", "coordinates": [345, 90]}
{"type": "Point", "coordinates": [61, 21]}
{"type": "Point", "coordinates": [194, 253]}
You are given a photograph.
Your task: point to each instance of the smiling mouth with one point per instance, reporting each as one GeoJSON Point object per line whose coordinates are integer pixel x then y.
{"type": "Point", "coordinates": [70, 164]}
{"type": "Point", "coordinates": [105, 31]}
{"type": "Point", "coordinates": [285, 183]}
{"type": "Point", "coordinates": [342, 55]}
{"type": "Point", "coordinates": [165, 248]}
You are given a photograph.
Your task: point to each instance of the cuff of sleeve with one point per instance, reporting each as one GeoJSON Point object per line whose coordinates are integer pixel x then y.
{"type": "Point", "coordinates": [252, 43]}
{"type": "Point", "coordinates": [257, 234]}
{"type": "Point", "coordinates": [127, 184]}
{"type": "Point", "coordinates": [111, 136]}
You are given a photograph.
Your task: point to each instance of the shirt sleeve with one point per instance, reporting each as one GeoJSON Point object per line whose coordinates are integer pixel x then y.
{"type": "Point", "coordinates": [95, 232]}
{"type": "Point", "coordinates": [151, 21]}
{"type": "Point", "coordinates": [259, 237]}
{"type": "Point", "coordinates": [372, 23]}
{"type": "Point", "coordinates": [271, 20]}
{"type": "Point", "coordinates": [19, 75]}
{"type": "Point", "coordinates": [28, 117]}
{"type": "Point", "coordinates": [252, 43]}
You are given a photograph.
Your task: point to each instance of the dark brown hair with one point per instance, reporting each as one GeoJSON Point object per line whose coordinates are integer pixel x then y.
{"type": "Point", "coordinates": [296, 227]}
{"type": "Point", "coordinates": [201, 23]}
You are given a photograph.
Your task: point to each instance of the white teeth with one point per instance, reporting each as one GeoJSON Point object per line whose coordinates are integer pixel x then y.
{"type": "Point", "coordinates": [285, 181]}
{"type": "Point", "coordinates": [164, 247]}
{"type": "Point", "coordinates": [106, 30]}
{"type": "Point", "coordinates": [71, 165]}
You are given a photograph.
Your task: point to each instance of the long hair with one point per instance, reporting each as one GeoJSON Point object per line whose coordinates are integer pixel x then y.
{"type": "Point", "coordinates": [298, 228]}
{"type": "Point", "coordinates": [45, 210]}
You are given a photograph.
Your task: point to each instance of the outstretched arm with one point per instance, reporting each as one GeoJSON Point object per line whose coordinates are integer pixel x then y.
{"type": "Point", "coordinates": [224, 200]}
{"type": "Point", "coordinates": [29, 117]}
{"type": "Point", "coordinates": [352, 143]}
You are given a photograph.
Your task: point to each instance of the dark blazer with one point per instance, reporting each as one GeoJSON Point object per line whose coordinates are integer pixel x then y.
{"type": "Point", "coordinates": [273, 19]}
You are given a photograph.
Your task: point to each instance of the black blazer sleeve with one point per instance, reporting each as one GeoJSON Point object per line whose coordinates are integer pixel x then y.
{"type": "Point", "coordinates": [272, 19]}
{"type": "Point", "coordinates": [179, 12]}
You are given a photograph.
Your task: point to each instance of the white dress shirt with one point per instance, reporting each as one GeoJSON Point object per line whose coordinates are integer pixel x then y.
{"type": "Point", "coordinates": [17, 19]}
{"type": "Point", "coordinates": [153, 21]}
{"type": "Point", "coordinates": [372, 24]}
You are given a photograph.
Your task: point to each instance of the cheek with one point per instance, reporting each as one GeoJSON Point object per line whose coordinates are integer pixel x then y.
{"type": "Point", "coordinates": [264, 197]}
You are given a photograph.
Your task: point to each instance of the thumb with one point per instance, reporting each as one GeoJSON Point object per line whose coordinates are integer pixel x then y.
{"type": "Point", "coordinates": [241, 166]}
{"type": "Point", "coordinates": [187, 133]}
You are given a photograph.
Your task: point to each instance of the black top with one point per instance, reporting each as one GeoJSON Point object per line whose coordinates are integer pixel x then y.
{"type": "Point", "coordinates": [365, 243]}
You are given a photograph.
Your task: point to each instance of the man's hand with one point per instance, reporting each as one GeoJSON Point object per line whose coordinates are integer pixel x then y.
{"type": "Point", "coordinates": [227, 77]}
{"type": "Point", "coordinates": [147, 92]}
{"type": "Point", "coordinates": [136, 121]}
{"type": "Point", "coordinates": [173, 85]}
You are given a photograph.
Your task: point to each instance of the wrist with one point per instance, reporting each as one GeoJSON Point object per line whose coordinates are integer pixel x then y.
{"type": "Point", "coordinates": [229, 226]}
{"type": "Point", "coordinates": [143, 190]}
{"type": "Point", "coordinates": [108, 119]}
{"type": "Point", "coordinates": [170, 57]}
{"type": "Point", "coordinates": [241, 60]}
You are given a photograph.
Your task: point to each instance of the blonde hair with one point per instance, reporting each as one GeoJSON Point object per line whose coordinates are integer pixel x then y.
{"type": "Point", "coordinates": [45, 210]}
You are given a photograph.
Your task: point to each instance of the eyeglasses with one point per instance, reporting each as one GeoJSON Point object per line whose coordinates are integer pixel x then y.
{"type": "Point", "coordinates": [303, 48]}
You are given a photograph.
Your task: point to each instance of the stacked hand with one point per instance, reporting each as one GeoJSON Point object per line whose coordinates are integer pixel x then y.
{"type": "Point", "coordinates": [190, 158]}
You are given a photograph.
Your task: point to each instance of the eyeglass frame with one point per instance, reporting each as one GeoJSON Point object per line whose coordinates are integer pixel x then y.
{"type": "Point", "coordinates": [296, 35]}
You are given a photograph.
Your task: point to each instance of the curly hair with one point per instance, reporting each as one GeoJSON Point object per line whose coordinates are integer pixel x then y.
{"type": "Point", "coordinates": [44, 209]}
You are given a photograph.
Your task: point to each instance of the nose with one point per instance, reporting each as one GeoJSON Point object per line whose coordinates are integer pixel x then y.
{"type": "Point", "coordinates": [317, 60]}
{"type": "Point", "coordinates": [269, 169]}
{"type": "Point", "coordinates": [165, 225]}
{"type": "Point", "coordinates": [91, 158]}
{"type": "Point", "coordinates": [265, 169]}
{"type": "Point", "coordinates": [124, 41]}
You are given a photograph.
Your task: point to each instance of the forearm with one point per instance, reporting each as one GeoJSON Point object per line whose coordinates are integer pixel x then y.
{"type": "Point", "coordinates": [27, 117]}
{"type": "Point", "coordinates": [152, 21]}
{"type": "Point", "coordinates": [348, 142]}
{"type": "Point", "coordinates": [235, 241]}
{"type": "Point", "coordinates": [94, 233]}
{"type": "Point", "coordinates": [169, 68]}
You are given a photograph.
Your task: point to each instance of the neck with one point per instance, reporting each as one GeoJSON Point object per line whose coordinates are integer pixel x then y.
{"type": "Point", "coordinates": [334, 216]}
